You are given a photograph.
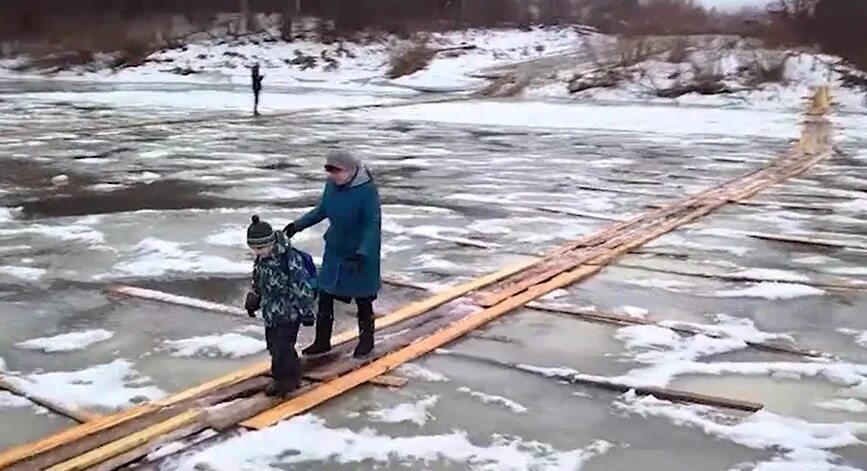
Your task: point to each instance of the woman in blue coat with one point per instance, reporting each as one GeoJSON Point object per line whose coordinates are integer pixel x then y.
{"type": "Point", "coordinates": [351, 263]}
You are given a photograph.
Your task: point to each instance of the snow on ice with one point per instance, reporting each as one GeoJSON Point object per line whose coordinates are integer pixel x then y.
{"type": "Point", "coordinates": [415, 412]}
{"type": "Point", "coordinates": [69, 342]}
{"type": "Point", "coordinates": [770, 290]}
{"type": "Point", "coordinates": [24, 273]}
{"type": "Point", "coordinates": [414, 371]}
{"type": "Point", "coordinates": [110, 385]}
{"type": "Point", "coordinates": [230, 345]}
{"type": "Point", "coordinates": [494, 399]}
{"type": "Point", "coordinates": [313, 441]}
{"type": "Point", "coordinates": [798, 444]}
{"type": "Point", "coordinates": [618, 118]}
{"type": "Point", "coordinates": [157, 257]}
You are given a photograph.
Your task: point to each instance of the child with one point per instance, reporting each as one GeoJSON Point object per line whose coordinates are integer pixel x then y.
{"type": "Point", "coordinates": [277, 294]}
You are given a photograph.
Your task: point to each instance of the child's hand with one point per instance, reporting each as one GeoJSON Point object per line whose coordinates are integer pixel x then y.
{"type": "Point", "coordinates": [252, 303]}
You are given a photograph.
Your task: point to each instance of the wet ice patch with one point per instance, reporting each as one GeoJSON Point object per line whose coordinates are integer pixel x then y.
{"type": "Point", "coordinates": [157, 257]}
{"type": "Point", "coordinates": [23, 273]}
{"type": "Point", "coordinates": [10, 401]}
{"type": "Point", "coordinates": [69, 342]}
{"type": "Point", "coordinates": [314, 442]}
{"type": "Point", "coordinates": [798, 444]}
{"type": "Point", "coordinates": [231, 345]}
{"type": "Point", "coordinates": [771, 290]}
{"type": "Point", "coordinates": [411, 370]}
{"type": "Point", "coordinates": [414, 412]}
{"type": "Point", "coordinates": [493, 399]}
{"type": "Point", "coordinates": [111, 385]}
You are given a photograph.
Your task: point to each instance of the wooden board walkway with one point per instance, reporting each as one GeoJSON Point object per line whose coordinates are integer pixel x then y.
{"type": "Point", "coordinates": [124, 437]}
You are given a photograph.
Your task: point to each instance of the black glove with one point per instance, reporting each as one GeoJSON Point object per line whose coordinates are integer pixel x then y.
{"type": "Point", "coordinates": [308, 321]}
{"type": "Point", "coordinates": [290, 230]}
{"type": "Point", "coordinates": [354, 263]}
{"type": "Point", "coordinates": [252, 303]}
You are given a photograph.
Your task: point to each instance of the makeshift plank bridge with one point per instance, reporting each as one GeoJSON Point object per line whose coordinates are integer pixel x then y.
{"type": "Point", "coordinates": [115, 440]}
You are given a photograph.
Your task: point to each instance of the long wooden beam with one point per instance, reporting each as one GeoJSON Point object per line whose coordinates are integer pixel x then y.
{"type": "Point", "coordinates": [257, 369]}
{"type": "Point", "coordinates": [807, 241]}
{"type": "Point", "coordinates": [76, 414]}
{"type": "Point", "coordinates": [621, 387]}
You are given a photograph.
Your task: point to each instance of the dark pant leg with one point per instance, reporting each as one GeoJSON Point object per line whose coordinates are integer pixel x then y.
{"type": "Point", "coordinates": [326, 307]}
{"type": "Point", "coordinates": [285, 365]}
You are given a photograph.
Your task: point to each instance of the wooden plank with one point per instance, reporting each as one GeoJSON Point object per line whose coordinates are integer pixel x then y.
{"type": "Point", "coordinates": [25, 452]}
{"type": "Point", "coordinates": [806, 241]}
{"type": "Point", "coordinates": [130, 442]}
{"type": "Point", "coordinates": [225, 416]}
{"type": "Point", "coordinates": [580, 214]}
{"type": "Point", "coordinates": [620, 387]}
{"type": "Point", "coordinates": [705, 202]}
{"type": "Point", "coordinates": [410, 310]}
{"type": "Point", "coordinates": [76, 414]}
{"type": "Point", "coordinates": [390, 381]}
{"type": "Point", "coordinates": [155, 295]}
{"type": "Point", "coordinates": [382, 365]}
{"type": "Point", "coordinates": [145, 449]}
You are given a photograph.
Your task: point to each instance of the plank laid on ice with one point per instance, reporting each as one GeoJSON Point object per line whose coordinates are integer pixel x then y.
{"type": "Point", "coordinates": [404, 313]}
{"type": "Point", "coordinates": [144, 293]}
{"type": "Point", "coordinates": [667, 218]}
{"type": "Point", "coordinates": [115, 448]}
{"type": "Point", "coordinates": [78, 415]}
{"type": "Point", "coordinates": [808, 241]}
{"type": "Point", "coordinates": [24, 452]}
{"type": "Point", "coordinates": [223, 417]}
{"type": "Point", "coordinates": [382, 365]}
{"type": "Point", "coordinates": [514, 300]}
{"type": "Point", "coordinates": [617, 386]}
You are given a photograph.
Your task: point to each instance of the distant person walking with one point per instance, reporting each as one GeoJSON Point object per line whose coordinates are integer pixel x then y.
{"type": "Point", "coordinates": [351, 262]}
{"type": "Point", "coordinates": [257, 87]}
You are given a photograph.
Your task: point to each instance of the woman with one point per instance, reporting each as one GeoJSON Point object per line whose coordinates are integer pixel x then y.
{"type": "Point", "coordinates": [350, 265]}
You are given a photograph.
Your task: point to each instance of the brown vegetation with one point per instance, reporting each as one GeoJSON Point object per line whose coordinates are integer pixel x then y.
{"type": "Point", "coordinates": [77, 30]}
{"type": "Point", "coordinates": [409, 60]}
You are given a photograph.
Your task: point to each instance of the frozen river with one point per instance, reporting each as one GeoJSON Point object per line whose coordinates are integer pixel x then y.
{"type": "Point", "coordinates": [88, 198]}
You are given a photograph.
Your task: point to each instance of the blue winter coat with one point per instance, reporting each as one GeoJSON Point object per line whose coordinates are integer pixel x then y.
{"type": "Point", "coordinates": [353, 211]}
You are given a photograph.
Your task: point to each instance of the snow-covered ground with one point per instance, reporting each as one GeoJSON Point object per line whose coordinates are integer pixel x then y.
{"type": "Point", "coordinates": [467, 187]}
